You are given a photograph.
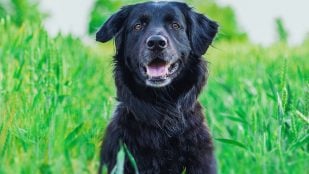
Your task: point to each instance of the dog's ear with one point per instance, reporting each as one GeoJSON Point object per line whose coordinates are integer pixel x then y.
{"type": "Point", "coordinates": [113, 25]}
{"type": "Point", "coordinates": [201, 31]}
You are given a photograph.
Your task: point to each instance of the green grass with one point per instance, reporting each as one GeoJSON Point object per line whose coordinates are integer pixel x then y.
{"type": "Point", "coordinates": [253, 103]}
{"type": "Point", "coordinates": [57, 96]}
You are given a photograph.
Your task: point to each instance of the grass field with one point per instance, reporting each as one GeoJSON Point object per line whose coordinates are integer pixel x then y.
{"type": "Point", "coordinates": [57, 96]}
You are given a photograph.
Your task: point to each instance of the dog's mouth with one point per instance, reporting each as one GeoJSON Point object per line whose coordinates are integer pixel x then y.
{"type": "Point", "coordinates": [159, 71]}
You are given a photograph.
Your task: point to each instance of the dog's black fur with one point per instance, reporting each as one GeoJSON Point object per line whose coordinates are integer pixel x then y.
{"type": "Point", "coordinates": [162, 126]}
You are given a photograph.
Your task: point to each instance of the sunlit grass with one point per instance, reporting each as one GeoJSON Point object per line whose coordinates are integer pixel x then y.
{"type": "Point", "coordinates": [56, 99]}
{"type": "Point", "coordinates": [252, 103]}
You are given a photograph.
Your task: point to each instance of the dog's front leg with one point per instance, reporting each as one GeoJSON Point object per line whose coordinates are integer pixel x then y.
{"type": "Point", "coordinates": [110, 147]}
{"type": "Point", "coordinates": [202, 164]}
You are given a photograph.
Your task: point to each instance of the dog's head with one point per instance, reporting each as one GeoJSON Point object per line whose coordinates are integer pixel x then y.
{"type": "Point", "coordinates": [156, 39]}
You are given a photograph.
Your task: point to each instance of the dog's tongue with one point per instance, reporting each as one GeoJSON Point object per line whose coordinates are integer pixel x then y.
{"type": "Point", "coordinates": [157, 70]}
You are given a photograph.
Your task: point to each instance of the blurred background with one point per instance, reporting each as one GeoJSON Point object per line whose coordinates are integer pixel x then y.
{"type": "Point", "coordinates": [257, 18]}
{"type": "Point", "coordinates": [57, 90]}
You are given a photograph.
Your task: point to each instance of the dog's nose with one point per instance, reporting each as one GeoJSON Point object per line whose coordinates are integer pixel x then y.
{"type": "Point", "coordinates": [156, 42]}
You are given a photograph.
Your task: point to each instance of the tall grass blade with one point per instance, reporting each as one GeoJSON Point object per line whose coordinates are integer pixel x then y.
{"type": "Point", "coordinates": [232, 142]}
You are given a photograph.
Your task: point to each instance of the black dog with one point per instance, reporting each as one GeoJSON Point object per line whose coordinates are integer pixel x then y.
{"type": "Point", "coordinates": [159, 73]}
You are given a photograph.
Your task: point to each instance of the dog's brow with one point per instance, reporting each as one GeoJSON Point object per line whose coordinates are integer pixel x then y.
{"type": "Point", "coordinates": [169, 17]}
{"type": "Point", "coordinates": [144, 17]}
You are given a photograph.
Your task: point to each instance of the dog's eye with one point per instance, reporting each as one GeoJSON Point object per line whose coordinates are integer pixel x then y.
{"type": "Point", "coordinates": [138, 27]}
{"type": "Point", "coordinates": [175, 26]}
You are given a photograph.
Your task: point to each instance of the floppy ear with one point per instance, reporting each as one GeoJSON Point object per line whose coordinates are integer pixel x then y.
{"type": "Point", "coordinates": [201, 32]}
{"type": "Point", "coordinates": [113, 25]}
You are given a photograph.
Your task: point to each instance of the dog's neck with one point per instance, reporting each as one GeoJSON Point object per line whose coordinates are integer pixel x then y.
{"type": "Point", "coordinates": [166, 107]}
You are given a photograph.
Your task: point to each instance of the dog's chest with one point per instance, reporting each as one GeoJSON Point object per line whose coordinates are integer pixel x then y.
{"type": "Point", "coordinates": [151, 148]}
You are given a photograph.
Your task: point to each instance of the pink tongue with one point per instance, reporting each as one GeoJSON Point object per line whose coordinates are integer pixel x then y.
{"type": "Point", "coordinates": [157, 70]}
